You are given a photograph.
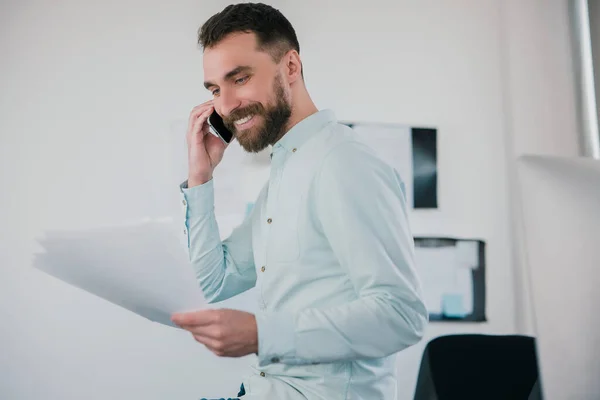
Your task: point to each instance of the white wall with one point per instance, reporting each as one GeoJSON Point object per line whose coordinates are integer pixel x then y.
{"type": "Point", "coordinates": [539, 106]}
{"type": "Point", "coordinates": [89, 91]}
{"type": "Point", "coordinates": [594, 11]}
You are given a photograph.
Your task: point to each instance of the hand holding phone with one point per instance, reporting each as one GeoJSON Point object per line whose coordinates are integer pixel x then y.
{"type": "Point", "coordinates": [205, 151]}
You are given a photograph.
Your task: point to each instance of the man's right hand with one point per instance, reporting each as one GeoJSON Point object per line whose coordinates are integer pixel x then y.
{"type": "Point", "coordinates": [205, 150]}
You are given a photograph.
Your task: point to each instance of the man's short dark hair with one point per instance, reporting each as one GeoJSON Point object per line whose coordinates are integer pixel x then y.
{"type": "Point", "coordinates": [274, 32]}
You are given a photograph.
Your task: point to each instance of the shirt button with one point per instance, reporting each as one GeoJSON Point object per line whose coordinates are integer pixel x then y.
{"type": "Point", "coordinates": [185, 231]}
{"type": "Point", "coordinates": [184, 202]}
{"type": "Point", "coordinates": [262, 374]}
{"type": "Point", "coordinates": [294, 150]}
{"type": "Point", "coordinates": [269, 221]}
{"type": "Point", "coordinates": [262, 269]}
{"type": "Point", "coordinates": [275, 359]}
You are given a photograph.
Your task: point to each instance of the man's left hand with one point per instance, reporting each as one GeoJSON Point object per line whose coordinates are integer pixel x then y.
{"type": "Point", "coordinates": [227, 333]}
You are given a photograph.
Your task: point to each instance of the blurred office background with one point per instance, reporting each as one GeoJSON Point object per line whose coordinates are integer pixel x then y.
{"type": "Point", "coordinates": [90, 92]}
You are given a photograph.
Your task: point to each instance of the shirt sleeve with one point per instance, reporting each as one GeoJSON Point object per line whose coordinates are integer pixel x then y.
{"type": "Point", "coordinates": [362, 209]}
{"type": "Point", "coordinates": [223, 268]}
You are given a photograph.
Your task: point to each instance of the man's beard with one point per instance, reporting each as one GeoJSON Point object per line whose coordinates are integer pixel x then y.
{"type": "Point", "coordinates": [275, 120]}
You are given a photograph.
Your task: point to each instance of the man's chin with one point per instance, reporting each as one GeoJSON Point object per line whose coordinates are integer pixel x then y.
{"type": "Point", "coordinates": [249, 140]}
{"type": "Point", "coordinates": [250, 145]}
{"type": "Point", "coordinates": [242, 136]}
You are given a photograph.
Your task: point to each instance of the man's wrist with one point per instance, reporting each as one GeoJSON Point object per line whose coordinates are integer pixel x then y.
{"type": "Point", "coordinates": [198, 200]}
{"type": "Point", "coordinates": [254, 337]}
{"type": "Point", "coordinates": [198, 179]}
{"type": "Point", "coordinates": [276, 333]}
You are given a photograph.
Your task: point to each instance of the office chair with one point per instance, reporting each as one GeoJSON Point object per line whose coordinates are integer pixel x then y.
{"type": "Point", "coordinates": [478, 367]}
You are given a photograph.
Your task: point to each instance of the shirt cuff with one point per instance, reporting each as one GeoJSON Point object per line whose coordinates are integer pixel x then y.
{"type": "Point", "coordinates": [276, 331]}
{"type": "Point", "coordinates": [198, 200]}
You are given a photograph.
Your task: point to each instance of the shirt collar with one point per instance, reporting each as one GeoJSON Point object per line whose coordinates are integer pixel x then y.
{"type": "Point", "coordinates": [304, 130]}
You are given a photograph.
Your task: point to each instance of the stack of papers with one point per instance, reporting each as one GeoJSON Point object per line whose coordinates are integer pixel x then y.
{"type": "Point", "coordinates": [143, 267]}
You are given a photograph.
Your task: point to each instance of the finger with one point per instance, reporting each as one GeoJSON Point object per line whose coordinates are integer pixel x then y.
{"type": "Point", "coordinates": [211, 101]}
{"type": "Point", "coordinates": [211, 343]}
{"type": "Point", "coordinates": [210, 331]}
{"type": "Point", "coordinates": [197, 111]}
{"type": "Point", "coordinates": [214, 142]}
{"type": "Point", "coordinates": [200, 107]}
{"type": "Point", "coordinates": [216, 346]}
{"type": "Point", "coordinates": [192, 319]}
{"type": "Point", "coordinates": [200, 121]}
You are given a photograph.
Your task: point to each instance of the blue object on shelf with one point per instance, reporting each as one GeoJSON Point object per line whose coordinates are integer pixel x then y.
{"type": "Point", "coordinates": [452, 305]}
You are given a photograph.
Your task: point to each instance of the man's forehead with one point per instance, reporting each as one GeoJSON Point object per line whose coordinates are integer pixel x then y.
{"type": "Point", "coordinates": [234, 50]}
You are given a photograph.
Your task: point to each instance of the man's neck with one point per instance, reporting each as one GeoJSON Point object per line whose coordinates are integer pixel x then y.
{"type": "Point", "coordinates": [299, 114]}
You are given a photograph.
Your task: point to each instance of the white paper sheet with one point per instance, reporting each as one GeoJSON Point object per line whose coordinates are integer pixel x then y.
{"type": "Point", "coordinates": [441, 273]}
{"type": "Point", "coordinates": [143, 267]}
{"type": "Point", "coordinates": [467, 253]}
{"type": "Point", "coordinates": [464, 286]}
{"type": "Point", "coordinates": [436, 269]}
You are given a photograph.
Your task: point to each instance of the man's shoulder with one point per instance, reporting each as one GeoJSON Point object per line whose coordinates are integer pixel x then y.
{"type": "Point", "coordinates": [349, 155]}
{"type": "Point", "coordinates": [339, 147]}
{"type": "Point", "coordinates": [340, 139]}
{"type": "Point", "coordinates": [346, 146]}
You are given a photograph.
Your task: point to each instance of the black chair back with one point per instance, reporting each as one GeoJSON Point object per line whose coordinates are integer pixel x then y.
{"type": "Point", "coordinates": [478, 367]}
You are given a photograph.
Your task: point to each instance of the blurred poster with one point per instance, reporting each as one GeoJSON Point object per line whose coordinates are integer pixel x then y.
{"type": "Point", "coordinates": [424, 159]}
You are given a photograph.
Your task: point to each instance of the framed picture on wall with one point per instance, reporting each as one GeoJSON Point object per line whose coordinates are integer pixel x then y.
{"type": "Point", "coordinates": [452, 271]}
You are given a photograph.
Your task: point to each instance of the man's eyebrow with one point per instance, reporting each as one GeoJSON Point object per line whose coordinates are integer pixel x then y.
{"type": "Point", "coordinates": [230, 74]}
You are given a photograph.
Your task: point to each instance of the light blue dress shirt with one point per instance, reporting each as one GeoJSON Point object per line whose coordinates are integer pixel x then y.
{"type": "Point", "coordinates": [329, 249]}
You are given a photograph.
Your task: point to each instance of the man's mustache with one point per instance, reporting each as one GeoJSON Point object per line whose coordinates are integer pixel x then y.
{"type": "Point", "coordinates": [254, 109]}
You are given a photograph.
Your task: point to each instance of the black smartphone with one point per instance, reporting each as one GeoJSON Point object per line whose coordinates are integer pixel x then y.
{"type": "Point", "coordinates": [217, 127]}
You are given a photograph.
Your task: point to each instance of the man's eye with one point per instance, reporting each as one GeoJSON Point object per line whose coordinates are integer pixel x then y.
{"type": "Point", "coordinates": [241, 80]}
{"type": "Point", "coordinates": [215, 92]}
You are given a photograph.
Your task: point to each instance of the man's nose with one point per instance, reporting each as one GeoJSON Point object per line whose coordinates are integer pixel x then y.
{"type": "Point", "coordinates": [228, 102]}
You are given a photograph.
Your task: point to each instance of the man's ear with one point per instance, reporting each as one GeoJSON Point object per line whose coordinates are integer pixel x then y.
{"type": "Point", "coordinates": [293, 66]}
